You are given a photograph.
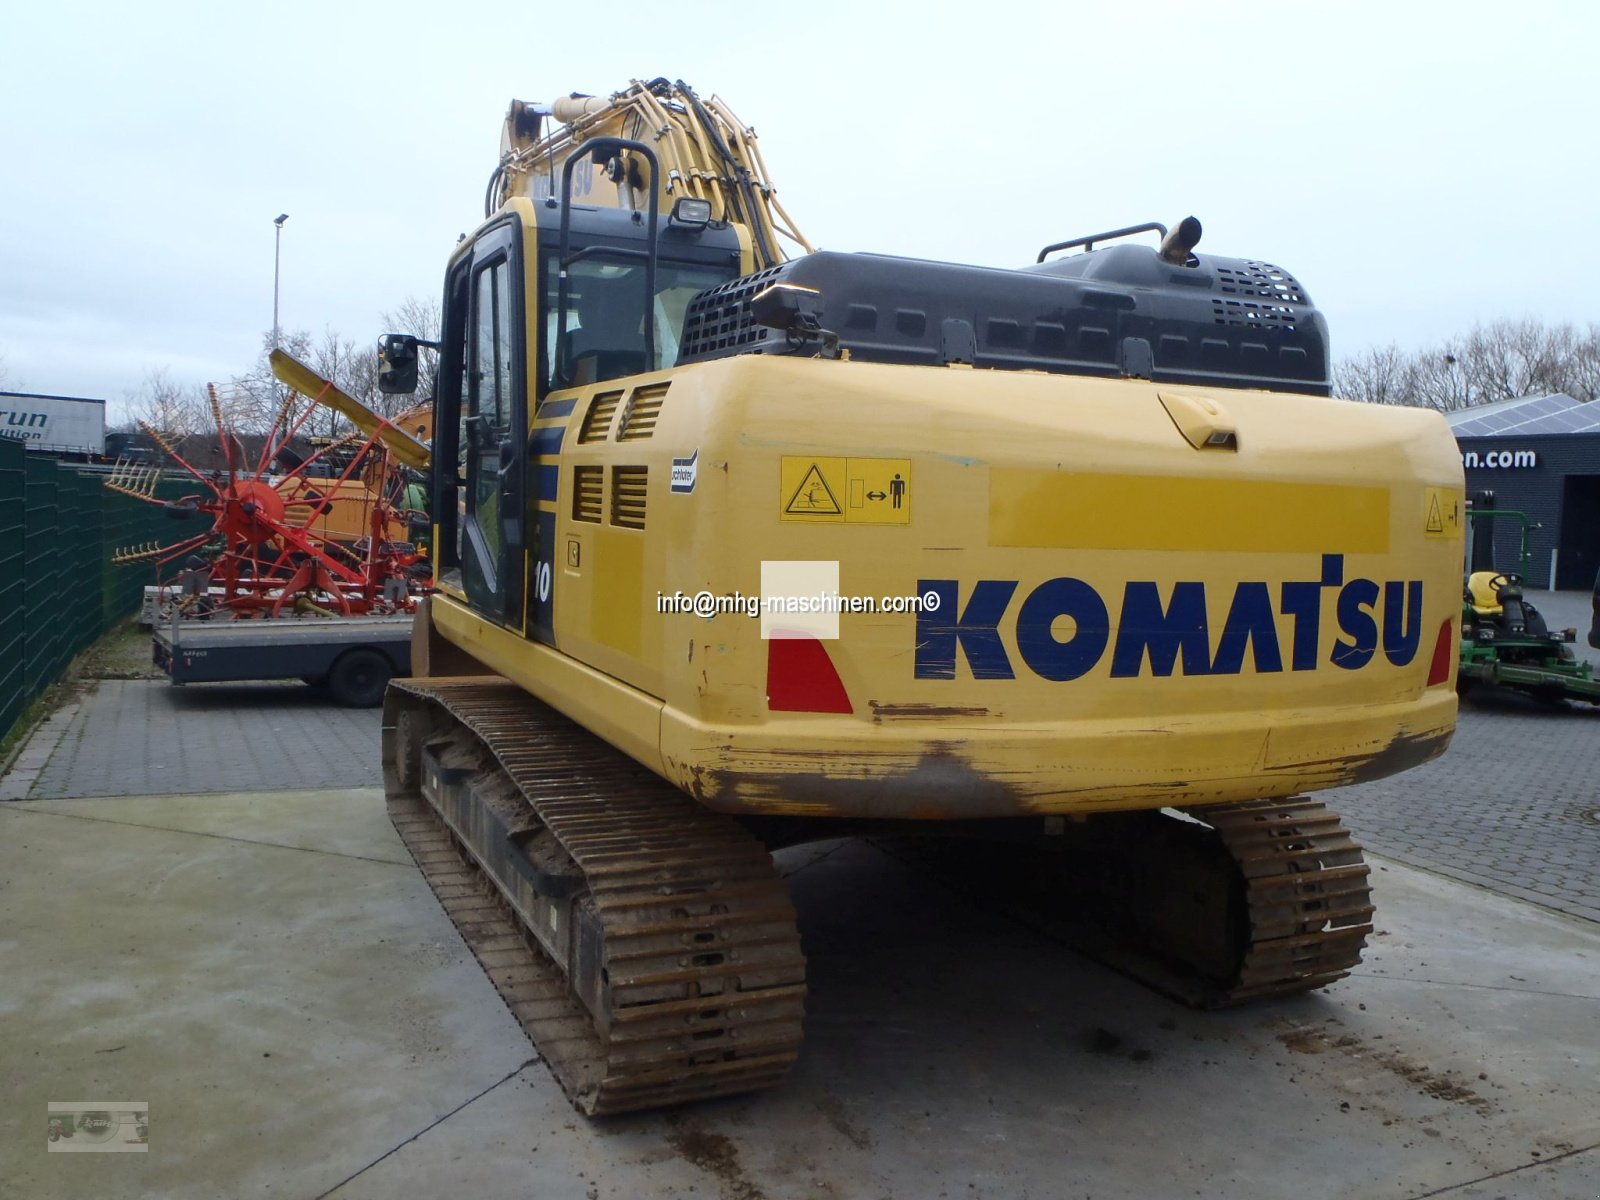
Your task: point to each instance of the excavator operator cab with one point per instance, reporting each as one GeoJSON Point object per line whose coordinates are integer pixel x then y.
{"type": "Point", "coordinates": [618, 281]}
{"type": "Point", "coordinates": [605, 335]}
{"type": "Point", "coordinates": [609, 291]}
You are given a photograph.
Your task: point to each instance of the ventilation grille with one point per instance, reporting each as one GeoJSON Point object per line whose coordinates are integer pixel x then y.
{"type": "Point", "coordinates": [1262, 280]}
{"type": "Point", "coordinates": [719, 318]}
{"type": "Point", "coordinates": [597, 421]}
{"type": "Point", "coordinates": [644, 407]}
{"type": "Point", "coordinates": [588, 493]}
{"type": "Point", "coordinates": [1254, 316]}
{"type": "Point", "coordinates": [627, 496]}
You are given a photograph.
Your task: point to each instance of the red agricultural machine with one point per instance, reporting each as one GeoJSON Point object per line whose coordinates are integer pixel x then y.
{"type": "Point", "coordinates": [326, 532]}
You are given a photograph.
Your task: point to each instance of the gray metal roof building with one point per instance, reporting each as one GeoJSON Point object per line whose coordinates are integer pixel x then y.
{"type": "Point", "coordinates": [1538, 455]}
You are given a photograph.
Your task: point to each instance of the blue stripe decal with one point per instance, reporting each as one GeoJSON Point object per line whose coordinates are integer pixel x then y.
{"type": "Point", "coordinates": [549, 481]}
{"type": "Point", "coordinates": [556, 408]}
{"type": "Point", "coordinates": [547, 442]}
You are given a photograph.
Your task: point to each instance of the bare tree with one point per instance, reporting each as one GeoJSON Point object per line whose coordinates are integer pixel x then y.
{"type": "Point", "coordinates": [1499, 361]}
{"type": "Point", "coordinates": [171, 409]}
{"type": "Point", "coordinates": [1382, 375]}
{"type": "Point", "coordinates": [353, 371]}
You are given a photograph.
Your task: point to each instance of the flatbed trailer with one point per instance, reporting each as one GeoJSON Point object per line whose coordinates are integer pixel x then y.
{"type": "Point", "coordinates": [355, 657]}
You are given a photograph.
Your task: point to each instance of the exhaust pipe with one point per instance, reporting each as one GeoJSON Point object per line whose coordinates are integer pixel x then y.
{"type": "Point", "coordinates": [1177, 245]}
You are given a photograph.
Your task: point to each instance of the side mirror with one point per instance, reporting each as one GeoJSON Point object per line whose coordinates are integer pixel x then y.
{"type": "Point", "coordinates": [797, 312]}
{"type": "Point", "coordinates": [783, 306]}
{"type": "Point", "coordinates": [397, 364]}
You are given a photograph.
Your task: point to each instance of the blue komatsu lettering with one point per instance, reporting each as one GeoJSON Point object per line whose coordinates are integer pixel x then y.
{"type": "Point", "coordinates": [1169, 632]}
{"type": "Point", "coordinates": [1250, 622]}
{"type": "Point", "coordinates": [1401, 630]}
{"type": "Point", "coordinates": [1181, 627]}
{"type": "Point", "coordinates": [1036, 642]}
{"type": "Point", "coordinates": [977, 630]}
{"type": "Point", "coordinates": [1303, 602]}
{"type": "Point", "coordinates": [1357, 624]}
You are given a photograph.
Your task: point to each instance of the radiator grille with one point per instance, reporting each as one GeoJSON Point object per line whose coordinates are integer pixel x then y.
{"type": "Point", "coordinates": [628, 496]}
{"type": "Point", "coordinates": [588, 493]}
{"type": "Point", "coordinates": [597, 421]}
{"type": "Point", "coordinates": [644, 408]}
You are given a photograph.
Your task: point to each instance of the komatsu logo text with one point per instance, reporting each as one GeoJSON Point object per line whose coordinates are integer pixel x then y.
{"type": "Point", "coordinates": [1064, 627]}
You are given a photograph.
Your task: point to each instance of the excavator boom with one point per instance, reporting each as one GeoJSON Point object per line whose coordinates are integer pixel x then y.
{"type": "Point", "coordinates": [706, 154]}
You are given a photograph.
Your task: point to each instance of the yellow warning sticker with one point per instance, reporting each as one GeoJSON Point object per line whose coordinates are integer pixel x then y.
{"type": "Point", "coordinates": [813, 495]}
{"type": "Point", "coordinates": [1442, 512]}
{"type": "Point", "coordinates": [839, 491]}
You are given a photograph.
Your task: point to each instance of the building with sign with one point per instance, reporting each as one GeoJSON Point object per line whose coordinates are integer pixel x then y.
{"type": "Point", "coordinates": [54, 424]}
{"type": "Point", "coordinates": [1539, 456]}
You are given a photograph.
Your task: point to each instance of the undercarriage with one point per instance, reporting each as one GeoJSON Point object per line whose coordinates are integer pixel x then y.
{"type": "Point", "coordinates": [648, 945]}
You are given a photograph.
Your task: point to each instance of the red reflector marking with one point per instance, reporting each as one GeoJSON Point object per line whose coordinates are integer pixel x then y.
{"type": "Point", "coordinates": [1443, 655]}
{"type": "Point", "coordinates": [801, 678]}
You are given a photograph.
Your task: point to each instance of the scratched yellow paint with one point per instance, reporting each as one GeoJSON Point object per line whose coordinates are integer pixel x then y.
{"type": "Point", "coordinates": [1141, 512]}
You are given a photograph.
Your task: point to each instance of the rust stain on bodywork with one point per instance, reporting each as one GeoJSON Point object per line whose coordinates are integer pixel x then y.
{"type": "Point", "coordinates": [921, 712]}
{"type": "Point", "coordinates": [938, 784]}
{"type": "Point", "coordinates": [1400, 753]}
{"type": "Point", "coordinates": [1407, 750]}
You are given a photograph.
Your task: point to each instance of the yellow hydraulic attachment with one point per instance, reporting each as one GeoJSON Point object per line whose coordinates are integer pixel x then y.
{"type": "Point", "coordinates": [293, 373]}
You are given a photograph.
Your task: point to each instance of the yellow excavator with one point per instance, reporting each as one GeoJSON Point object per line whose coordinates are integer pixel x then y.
{"type": "Point", "coordinates": [1115, 584]}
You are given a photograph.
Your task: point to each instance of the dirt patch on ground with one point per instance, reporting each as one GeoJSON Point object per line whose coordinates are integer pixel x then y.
{"type": "Point", "coordinates": [1114, 1045]}
{"type": "Point", "coordinates": [124, 653]}
{"type": "Point", "coordinates": [716, 1155]}
{"type": "Point", "coordinates": [854, 1134]}
{"type": "Point", "coordinates": [1441, 1085]}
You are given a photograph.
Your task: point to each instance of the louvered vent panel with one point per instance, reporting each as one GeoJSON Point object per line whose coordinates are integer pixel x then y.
{"type": "Point", "coordinates": [597, 421]}
{"type": "Point", "coordinates": [644, 408]}
{"type": "Point", "coordinates": [588, 493]}
{"type": "Point", "coordinates": [627, 496]}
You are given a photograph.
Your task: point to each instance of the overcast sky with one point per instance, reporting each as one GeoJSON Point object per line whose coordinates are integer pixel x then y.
{"type": "Point", "coordinates": [1418, 167]}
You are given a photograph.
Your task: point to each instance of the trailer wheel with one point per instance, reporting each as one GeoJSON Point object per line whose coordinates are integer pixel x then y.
{"type": "Point", "coordinates": [359, 678]}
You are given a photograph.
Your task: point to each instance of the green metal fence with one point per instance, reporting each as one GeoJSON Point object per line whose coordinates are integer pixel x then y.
{"type": "Point", "coordinates": [59, 590]}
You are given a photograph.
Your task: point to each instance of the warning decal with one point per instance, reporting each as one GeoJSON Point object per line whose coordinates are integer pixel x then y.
{"type": "Point", "coordinates": [813, 497]}
{"type": "Point", "coordinates": [1441, 512]}
{"type": "Point", "coordinates": [857, 491]}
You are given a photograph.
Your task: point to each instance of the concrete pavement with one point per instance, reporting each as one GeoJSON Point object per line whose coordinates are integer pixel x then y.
{"type": "Point", "coordinates": [271, 975]}
{"type": "Point", "coordinates": [267, 969]}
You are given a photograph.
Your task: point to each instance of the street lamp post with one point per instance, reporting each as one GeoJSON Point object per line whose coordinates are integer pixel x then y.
{"type": "Point", "coordinates": [277, 251]}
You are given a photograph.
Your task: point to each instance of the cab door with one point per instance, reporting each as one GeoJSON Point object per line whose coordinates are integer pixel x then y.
{"type": "Point", "coordinates": [483, 377]}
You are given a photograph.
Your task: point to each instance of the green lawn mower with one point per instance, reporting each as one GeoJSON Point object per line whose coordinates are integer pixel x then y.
{"type": "Point", "coordinates": [1505, 641]}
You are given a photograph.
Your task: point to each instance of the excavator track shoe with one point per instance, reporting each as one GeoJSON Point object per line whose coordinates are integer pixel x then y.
{"type": "Point", "coordinates": [646, 944]}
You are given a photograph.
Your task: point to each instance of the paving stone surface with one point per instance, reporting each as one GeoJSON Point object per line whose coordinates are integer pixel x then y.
{"type": "Point", "coordinates": [139, 737]}
{"type": "Point", "coordinates": [1513, 805]}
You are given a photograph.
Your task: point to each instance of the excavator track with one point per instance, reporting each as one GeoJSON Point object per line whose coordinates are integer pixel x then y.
{"type": "Point", "coordinates": [646, 944]}
{"type": "Point", "coordinates": [1238, 903]}
{"type": "Point", "coordinates": [1307, 897]}
{"type": "Point", "coordinates": [1272, 899]}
